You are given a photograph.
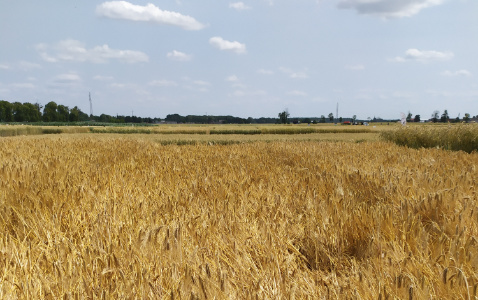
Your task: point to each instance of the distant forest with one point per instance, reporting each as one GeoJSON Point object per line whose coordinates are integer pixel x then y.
{"type": "Point", "coordinates": [53, 112]}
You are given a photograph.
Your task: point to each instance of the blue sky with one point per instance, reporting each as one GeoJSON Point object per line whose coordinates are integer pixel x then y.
{"type": "Point", "coordinates": [243, 58]}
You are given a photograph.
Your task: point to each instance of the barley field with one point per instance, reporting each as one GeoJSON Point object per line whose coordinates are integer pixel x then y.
{"type": "Point", "coordinates": [455, 137]}
{"type": "Point", "coordinates": [118, 217]}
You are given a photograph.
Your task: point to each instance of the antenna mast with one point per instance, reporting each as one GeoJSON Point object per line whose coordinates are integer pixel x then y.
{"type": "Point", "coordinates": [91, 106]}
{"type": "Point", "coordinates": [337, 112]}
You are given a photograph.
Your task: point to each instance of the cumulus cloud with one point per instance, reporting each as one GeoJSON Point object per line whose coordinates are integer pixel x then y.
{"type": "Point", "coordinates": [103, 78]}
{"type": "Point", "coordinates": [248, 93]}
{"type": "Point", "coordinates": [23, 85]}
{"type": "Point", "coordinates": [235, 82]}
{"type": "Point", "coordinates": [149, 13]}
{"type": "Point", "coordinates": [294, 74]}
{"type": "Point", "coordinates": [465, 73]}
{"type": "Point", "coordinates": [358, 67]}
{"type": "Point", "coordinates": [73, 50]}
{"type": "Point", "coordinates": [388, 8]}
{"type": "Point", "coordinates": [265, 72]}
{"type": "Point", "coordinates": [223, 44]}
{"type": "Point", "coordinates": [179, 56]}
{"type": "Point", "coordinates": [424, 56]}
{"type": "Point", "coordinates": [232, 78]}
{"type": "Point", "coordinates": [201, 83]}
{"type": "Point", "coordinates": [163, 83]}
{"type": "Point", "coordinates": [297, 93]}
{"type": "Point", "coordinates": [240, 6]}
{"type": "Point", "coordinates": [21, 65]}
{"type": "Point", "coordinates": [27, 66]}
{"type": "Point", "coordinates": [67, 78]}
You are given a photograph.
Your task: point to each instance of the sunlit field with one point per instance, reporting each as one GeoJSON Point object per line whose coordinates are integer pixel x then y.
{"type": "Point", "coordinates": [214, 132]}
{"type": "Point", "coordinates": [133, 216]}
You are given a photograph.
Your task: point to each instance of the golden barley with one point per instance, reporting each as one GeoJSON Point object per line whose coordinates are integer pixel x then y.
{"type": "Point", "coordinates": [91, 216]}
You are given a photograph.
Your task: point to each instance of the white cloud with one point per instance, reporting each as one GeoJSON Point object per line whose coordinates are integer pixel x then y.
{"type": "Point", "coordinates": [179, 56]}
{"type": "Point", "coordinates": [297, 93]}
{"type": "Point", "coordinates": [22, 65]}
{"type": "Point", "coordinates": [118, 85]}
{"type": "Point", "coordinates": [235, 82]}
{"type": "Point", "coordinates": [265, 72]}
{"type": "Point", "coordinates": [223, 44]}
{"type": "Point", "coordinates": [232, 78]}
{"type": "Point", "coordinates": [456, 73]}
{"type": "Point", "coordinates": [67, 78]}
{"type": "Point", "coordinates": [163, 83]}
{"type": "Point", "coordinates": [73, 50]}
{"type": "Point", "coordinates": [294, 74]}
{"type": "Point", "coordinates": [424, 56]}
{"type": "Point", "coordinates": [388, 8]}
{"type": "Point", "coordinates": [240, 6]}
{"type": "Point", "coordinates": [243, 93]}
{"type": "Point", "coordinates": [196, 85]}
{"type": "Point", "coordinates": [27, 66]}
{"type": "Point", "coordinates": [23, 85]}
{"type": "Point", "coordinates": [103, 78]}
{"type": "Point", "coordinates": [201, 83]}
{"type": "Point", "coordinates": [358, 67]}
{"type": "Point", "coordinates": [149, 13]}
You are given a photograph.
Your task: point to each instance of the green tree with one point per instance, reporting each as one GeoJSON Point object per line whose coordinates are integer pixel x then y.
{"type": "Point", "coordinates": [354, 118]}
{"type": "Point", "coordinates": [444, 117]}
{"type": "Point", "coordinates": [74, 114]}
{"type": "Point", "coordinates": [50, 113]}
{"type": "Point", "coordinates": [6, 111]}
{"type": "Point", "coordinates": [284, 117]}
{"type": "Point", "coordinates": [466, 118]}
{"type": "Point", "coordinates": [331, 117]}
{"type": "Point", "coordinates": [83, 117]}
{"type": "Point", "coordinates": [417, 118]}
{"type": "Point", "coordinates": [63, 113]}
{"type": "Point", "coordinates": [32, 112]}
{"type": "Point", "coordinates": [18, 112]}
{"type": "Point", "coordinates": [106, 118]}
{"type": "Point", "coordinates": [409, 117]}
{"type": "Point", "coordinates": [435, 116]}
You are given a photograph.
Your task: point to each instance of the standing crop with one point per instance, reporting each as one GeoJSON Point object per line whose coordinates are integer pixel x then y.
{"type": "Point", "coordinates": [95, 216]}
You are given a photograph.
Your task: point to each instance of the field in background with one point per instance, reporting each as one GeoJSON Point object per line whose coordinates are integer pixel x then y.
{"type": "Point", "coordinates": [120, 216]}
{"type": "Point", "coordinates": [445, 136]}
{"type": "Point", "coordinates": [186, 133]}
{"type": "Point", "coordinates": [462, 137]}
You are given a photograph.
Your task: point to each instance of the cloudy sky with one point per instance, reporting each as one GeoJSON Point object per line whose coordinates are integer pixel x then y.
{"type": "Point", "coordinates": [247, 58]}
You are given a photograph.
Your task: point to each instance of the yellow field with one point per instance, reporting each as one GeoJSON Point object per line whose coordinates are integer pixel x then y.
{"type": "Point", "coordinates": [123, 216]}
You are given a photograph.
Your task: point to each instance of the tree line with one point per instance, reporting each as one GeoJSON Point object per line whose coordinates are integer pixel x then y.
{"type": "Point", "coordinates": [53, 112]}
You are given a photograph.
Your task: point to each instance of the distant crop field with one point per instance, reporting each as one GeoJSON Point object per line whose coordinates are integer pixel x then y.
{"type": "Point", "coordinates": [127, 216]}
{"type": "Point", "coordinates": [461, 137]}
{"type": "Point", "coordinates": [190, 134]}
